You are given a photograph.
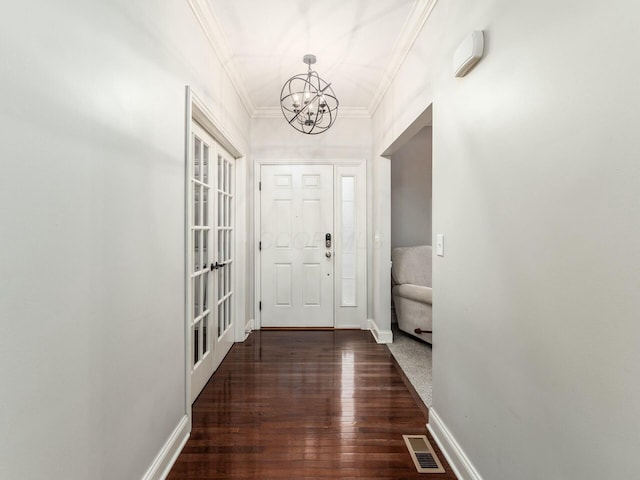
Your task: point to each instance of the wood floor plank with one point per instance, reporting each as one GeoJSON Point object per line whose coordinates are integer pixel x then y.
{"type": "Point", "coordinates": [305, 404]}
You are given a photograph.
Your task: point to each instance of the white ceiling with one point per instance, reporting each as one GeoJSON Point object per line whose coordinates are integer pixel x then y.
{"type": "Point", "coordinates": [359, 45]}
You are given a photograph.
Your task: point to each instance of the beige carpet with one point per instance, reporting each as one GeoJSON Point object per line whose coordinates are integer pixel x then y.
{"type": "Point", "coordinates": [414, 358]}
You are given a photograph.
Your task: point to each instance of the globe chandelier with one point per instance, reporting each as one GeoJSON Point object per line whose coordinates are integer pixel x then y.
{"type": "Point", "coordinates": [308, 102]}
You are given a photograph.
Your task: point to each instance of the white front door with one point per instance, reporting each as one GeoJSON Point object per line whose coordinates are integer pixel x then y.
{"type": "Point", "coordinates": [210, 262]}
{"type": "Point", "coordinates": [297, 263]}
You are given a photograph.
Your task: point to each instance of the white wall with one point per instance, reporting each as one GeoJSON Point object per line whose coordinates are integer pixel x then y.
{"type": "Point", "coordinates": [91, 208]}
{"type": "Point", "coordinates": [348, 139]}
{"type": "Point", "coordinates": [411, 192]}
{"type": "Point", "coordinates": [535, 161]}
{"type": "Point", "coordinates": [381, 271]}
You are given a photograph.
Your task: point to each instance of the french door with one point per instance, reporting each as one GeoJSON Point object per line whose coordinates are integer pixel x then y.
{"type": "Point", "coordinates": [296, 236]}
{"type": "Point", "coordinates": [210, 256]}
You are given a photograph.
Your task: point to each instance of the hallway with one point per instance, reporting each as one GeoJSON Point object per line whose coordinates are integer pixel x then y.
{"type": "Point", "coordinates": [304, 404]}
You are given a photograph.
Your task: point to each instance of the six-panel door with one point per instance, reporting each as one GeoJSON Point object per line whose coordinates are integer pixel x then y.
{"type": "Point", "coordinates": [296, 261]}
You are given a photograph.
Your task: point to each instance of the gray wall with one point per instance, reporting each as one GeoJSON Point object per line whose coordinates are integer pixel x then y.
{"type": "Point", "coordinates": [411, 192]}
{"type": "Point", "coordinates": [92, 120]}
{"type": "Point", "coordinates": [537, 181]}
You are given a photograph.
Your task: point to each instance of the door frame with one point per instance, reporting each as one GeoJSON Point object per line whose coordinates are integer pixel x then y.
{"type": "Point", "coordinates": [197, 110]}
{"type": "Point", "coordinates": [358, 163]}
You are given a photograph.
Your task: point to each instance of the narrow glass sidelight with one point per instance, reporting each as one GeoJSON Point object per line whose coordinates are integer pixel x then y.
{"type": "Point", "coordinates": [349, 266]}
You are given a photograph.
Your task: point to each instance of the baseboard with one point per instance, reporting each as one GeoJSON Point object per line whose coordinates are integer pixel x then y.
{"type": "Point", "coordinates": [165, 459]}
{"type": "Point", "coordinates": [456, 457]}
{"type": "Point", "coordinates": [249, 327]}
{"type": "Point", "coordinates": [381, 336]}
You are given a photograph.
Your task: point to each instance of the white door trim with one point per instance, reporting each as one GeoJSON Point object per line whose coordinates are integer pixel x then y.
{"type": "Point", "coordinates": [257, 264]}
{"type": "Point", "coordinates": [196, 110]}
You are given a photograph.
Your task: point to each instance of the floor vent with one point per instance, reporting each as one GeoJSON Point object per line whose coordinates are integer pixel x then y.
{"type": "Point", "coordinates": [422, 454]}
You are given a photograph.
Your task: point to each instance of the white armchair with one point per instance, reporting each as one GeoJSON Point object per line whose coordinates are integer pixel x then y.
{"type": "Point", "coordinates": [411, 290]}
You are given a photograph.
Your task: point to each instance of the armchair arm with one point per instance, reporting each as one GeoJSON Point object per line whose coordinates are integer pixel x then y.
{"type": "Point", "coordinates": [414, 292]}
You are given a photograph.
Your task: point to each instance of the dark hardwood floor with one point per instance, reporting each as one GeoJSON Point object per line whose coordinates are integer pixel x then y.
{"type": "Point", "coordinates": [305, 404]}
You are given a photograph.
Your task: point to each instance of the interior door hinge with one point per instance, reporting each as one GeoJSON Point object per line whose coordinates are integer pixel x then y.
{"type": "Point", "coordinates": [260, 186]}
{"type": "Point", "coordinates": [260, 246]}
{"type": "Point", "coordinates": [260, 305]}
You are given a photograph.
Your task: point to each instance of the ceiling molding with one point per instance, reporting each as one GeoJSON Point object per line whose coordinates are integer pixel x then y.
{"type": "Point", "coordinates": [408, 35]}
{"type": "Point", "coordinates": [212, 30]}
{"type": "Point", "coordinates": [343, 112]}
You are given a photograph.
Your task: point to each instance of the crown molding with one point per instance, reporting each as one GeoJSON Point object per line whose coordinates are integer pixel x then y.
{"type": "Point", "coordinates": [213, 31]}
{"type": "Point", "coordinates": [343, 112]}
{"type": "Point", "coordinates": [408, 35]}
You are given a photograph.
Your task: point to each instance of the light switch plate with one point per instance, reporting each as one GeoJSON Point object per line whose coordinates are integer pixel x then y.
{"type": "Point", "coordinates": [440, 245]}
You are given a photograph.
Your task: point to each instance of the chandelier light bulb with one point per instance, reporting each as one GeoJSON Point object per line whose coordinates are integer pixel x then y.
{"type": "Point", "coordinates": [323, 103]}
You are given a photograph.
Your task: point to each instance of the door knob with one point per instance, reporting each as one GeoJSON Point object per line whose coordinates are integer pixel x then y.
{"type": "Point", "coordinates": [327, 254]}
